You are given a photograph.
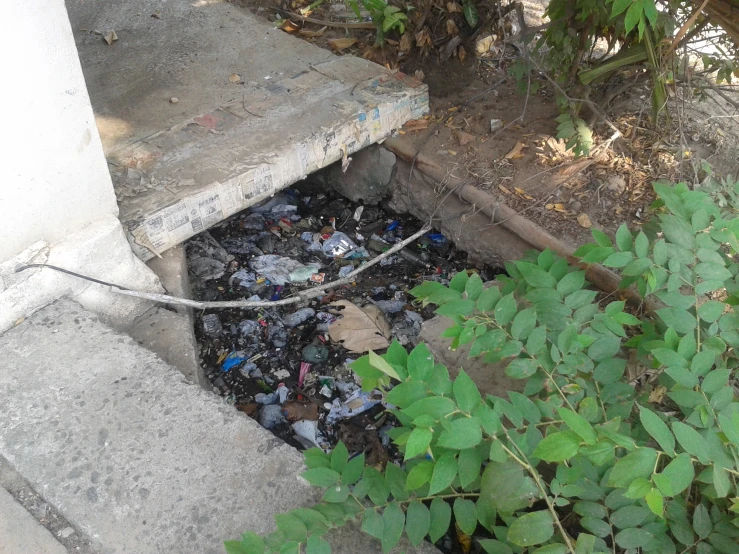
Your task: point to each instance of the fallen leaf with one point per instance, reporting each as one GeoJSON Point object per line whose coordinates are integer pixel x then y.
{"type": "Point", "coordinates": [451, 28]}
{"type": "Point", "coordinates": [234, 77]}
{"type": "Point", "coordinates": [505, 190]}
{"type": "Point", "coordinates": [549, 206]}
{"type": "Point", "coordinates": [406, 41]}
{"type": "Point", "coordinates": [584, 220]}
{"type": "Point", "coordinates": [359, 329]}
{"type": "Point", "coordinates": [452, 152]}
{"type": "Point", "coordinates": [461, 53]}
{"type": "Point", "coordinates": [655, 397]}
{"type": "Point", "coordinates": [419, 75]}
{"type": "Point", "coordinates": [312, 34]}
{"type": "Point", "coordinates": [289, 27]}
{"type": "Point", "coordinates": [340, 44]}
{"type": "Point", "coordinates": [462, 137]}
{"type": "Point", "coordinates": [520, 191]}
{"type": "Point", "coordinates": [560, 208]}
{"type": "Point", "coordinates": [515, 151]}
{"type": "Point", "coordinates": [453, 7]}
{"type": "Point", "coordinates": [416, 124]}
{"type": "Point", "coordinates": [295, 410]}
{"type": "Point", "coordinates": [482, 46]}
{"type": "Point", "coordinates": [110, 37]}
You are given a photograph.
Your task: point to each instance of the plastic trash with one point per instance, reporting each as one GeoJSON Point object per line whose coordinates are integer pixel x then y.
{"type": "Point", "coordinates": [390, 306]}
{"type": "Point", "coordinates": [296, 318]}
{"type": "Point", "coordinates": [280, 395]}
{"type": "Point", "coordinates": [307, 236]}
{"type": "Point", "coordinates": [233, 359]}
{"type": "Point", "coordinates": [436, 237]}
{"type": "Point", "coordinates": [393, 225]}
{"type": "Point", "coordinates": [271, 416]}
{"type": "Point", "coordinates": [338, 244]}
{"type": "Point", "coordinates": [207, 268]}
{"type": "Point", "coordinates": [277, 268]}
{"type": "Point", "coordinates": [357, 254]}
{"type": "Point", "coordinates": [304, 369]}
{"type": "Point", "coordinates": [408, 327]}
{"type": "Point", "coordinates": [356, 403]}
{"type": "Point", "coordinates": [249, 330]}
{"type": "Point", "coordinates": [250, 370]}
{"type": "Point", "coordinates": [266, 242]}
{"type": "Point", "coordinates": [391, 260]}
{"type": "Point", "coordinates": [212, 325]}
{"type": "Point", "coordinates": [268, 205]}
{"type": "Point", "coordinates": [346, 270]}
{"type": "Point", "coordinates": [277, 334]}
{"type": "Point", "coordinates": [304, 273]}
{"type": "Point", "coordinates": [242, 278]}
{"type": "Point", "coordinates": [415, 257]}
{"type": "Point", "coordinates": [315, 353]}
{"type": "Point", "coordinates": [377, 244]}
{"type": "Point", "coordinates": [296, 410]}
{"type": "Point", "coordinates": [306, 431]}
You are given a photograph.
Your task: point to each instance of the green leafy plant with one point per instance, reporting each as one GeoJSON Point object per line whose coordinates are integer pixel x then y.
{"type": "Point", "coordinates": [625, 437]}
{"type": "Point", "coordinates": [386, 17]}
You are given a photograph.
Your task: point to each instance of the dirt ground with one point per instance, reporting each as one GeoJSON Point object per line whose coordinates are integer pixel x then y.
{"type": "Point", "coordinates": [514, 162]}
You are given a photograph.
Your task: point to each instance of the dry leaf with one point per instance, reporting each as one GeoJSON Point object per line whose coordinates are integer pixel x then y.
{"type": "Point", "coordinates": [482, 46]}
{"type": "Point", "coordinates": [549, 206]}
{"type": "Point", "coordinates": [515, 152]}
{"type": "Point", "coordinates": [234, 77]}
{"type": "Point", "coordinates": [584, 220]}
{"type": "Point", "coordinates": [560, 208]}
{"type": "Point", "coordinates": [312, 34]}
{"type": "Point", "coordinates": [505, 190]}
{"type": "Point", "coordinates": [423, 38]}
{"type": "Point", "coordinates": [452, 152]}
{"type": "Point", "coordinates": [406, 42]}
{"type": "Point", "coordinates": [340, 44]}
{"type": "Point", "coordinates": [416, 124]}
{"type": "Point", "coordinates": [461, 53]}
{"type": "Point", "coordinates": [295, 410]}
{"type": "Point", "coordinates": [451, 28]}
{"type": "Point", "coordinates": [110, 37]}
{"type": "Point", "coordinates": [453, 7]}
{"type": "Point", "coordinates": [289, 27]}
{"type": "Point", "coordinates": [463, 137]}
{"type": "Point", "coordinates": [519, 190]}
{"type": "Point", "coordinates": [419, 75]}
{"type": "Point", "coordinates": [360, 329]}
{"type": "Point", "coordinates": [656, 396]}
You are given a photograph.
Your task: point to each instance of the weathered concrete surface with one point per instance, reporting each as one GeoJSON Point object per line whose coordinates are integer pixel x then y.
{"type": "Point", "coordinates": [20, 533]}
{"type": "Point", "coordinates": [366, 179]}
{"type": "Point", "coordinates": [132, 455]}
{"type": "Point", "coordinates": [469, 229]}
{"type": "Point", "coordinates": [489, 378]}
{"type": "Point", "coordinates": [169, 332]}
{"type": "Point", "coordinates": [257, 110]}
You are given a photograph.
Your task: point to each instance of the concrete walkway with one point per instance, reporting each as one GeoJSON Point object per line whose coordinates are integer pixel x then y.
{"type": "Point", "coordinates": [132, 455]}
{"type": "Point", "coordinates": [20, 533]}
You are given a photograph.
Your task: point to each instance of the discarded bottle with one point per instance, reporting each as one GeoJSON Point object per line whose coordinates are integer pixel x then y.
{"type": "Point", "coordinates": [338, 244]}
{"type": "Point", "coordinates": [414, 257]}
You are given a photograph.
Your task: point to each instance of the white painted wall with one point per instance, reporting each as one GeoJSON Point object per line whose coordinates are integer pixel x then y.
{"type": "Point", "coordinates": [53, 177]}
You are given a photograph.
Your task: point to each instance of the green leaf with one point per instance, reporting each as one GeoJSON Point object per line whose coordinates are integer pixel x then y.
{"type": "Point", "coordinates": [536, 276]}
{"type": "Point", "coordinates": [503, 485]}
{"type": "Point", "coordinates": [680, 320]}
{"type": "Point", "coordinates": [558, 446]}
{"type": "Point", "coordinates": [339, 457]}
{"type": "Point", "coordinates": [470, 13]}
{"type": "Point", "coordinates": [619, 6]}
{"type": "Point", "coordinates": [596, 526]}
{"type": "Point", "coordinates": [420, 363]}
{"type": "Point", "coordinates": [474, 287]}
{"type": "Point", "coordinates": [609, 371]}
{"type": "Point", "coordinates": [468, 466]}
{"type": "Point", "coordinates": [571, 282]}
{"type": "Point", "coordinates": [459, 281]}
{"type": "Point", "coordinates": [433, 406]}
{"type": "Point", "coordinates": [601, 238]}
{"type": "Point", "coordinates": [321, 477]}
{"type": "Point", "coordinates": [235, 547]}
{"type": "Point", "coordinates": [315, 457]}
{"type": "Point", "coordinates": [618, 259]}
{"type": "Point", "coordinates": [579, 425]}
{"type": "Point", "coordinates": [393, 521]}
{"type": "Point", "coordinates": [465, 392]}
{"type": "Point", "coordinates": [417, 522]}
{"type": "Point", "coordinates": [465, 514]}
{"type": "Point", "coordinates": [633, 538]}
{"type": "Point", "coordinates": [702, 524]}
{"type": "Point", "coordinates": [380, 363]}
{"type": "Point", "coordinates": [418, 442]}
{"type": "Point", "coordinates": [488, 342]}
{"type": "Point", "coordinates": [531, 528]}
{"type": "Point", "coordinates": [604, 348]}
{"type": "Point", "coordinates": [669, 358]}
{"type": "Point", "coordinates": [677, 231]}
{"type": "Point", "coordinates": [629, 516]}
{"type": "Point", "coordinates": [523, 323]}
{"type": "Point", "coordinates": [464, 432]}
{"type": "Point", "coordinates": [317, 545]}
{"type": "Point", "coordinates": [489, 297]}
{"type": "Point", "coordinates": [505, 310]}
{"type": "Point", "coordinates": [441, 516]}
{"type": "Point", "coordinates": [521, 368]}
{"type": "Point", "coordinates": [405, 394]}
{"type": "Point", "coordinates": [290, 547]}
{"type": "Point", "coordinates": [419, 475]}
{"type": "Point", "coordinates": [691, 441]}
{"type": "Point", "coordinates": [444, 472]}
{"type": "Point", "coordinates": [396, 479]}
{"type": "Point", "coordinates": [456, 307]}
{"type": "Point", "coordinates": [709, 271]}
{"type": "Point", "coordinates": [353, 470]}
{"type": "Point", "coordinates": [721, 481]}
{"type": "Point", "coordinates": [658, 430]}
{"type": "Point", "coordinates": [710, 311]}
{"type": "Point", "coordinates": [442, 296]}
{"type": "Point", "coordinates": [623, 237]}
{"type": "Point", "coordinates": [292, 527]}
{"type": "Point", "coordinates": [372, 523]}
{"type": "Point", "coordinates": [637, 267]}
{"type": "Point", "coordinates": [492, 546]}
{"type": "Point", "coordinates": [336, 494]}
{"type": "Point", "coordinates": [638, 463]}
{"type": "Point", "coordinates": [715, 380]}
{"type": "Point", "coordinates": [641, 245]}
{"type": "Point", "coordinates": [656, 502]}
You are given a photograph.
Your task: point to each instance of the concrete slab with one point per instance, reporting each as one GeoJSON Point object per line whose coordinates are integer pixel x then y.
{"type": "Point", "coordinates": [129, 453]}
{"type": "Point", "coordinates": [257, 110]}
{"type": "Point", "coordinates": [20, 533]}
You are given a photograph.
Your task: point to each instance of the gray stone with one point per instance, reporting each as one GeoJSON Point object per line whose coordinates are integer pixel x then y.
{"type": "Point", "coordinates": [131, 454]}
{"type": "Point", "coordinates": [20, 533]}
{"type": "Point", "coordinates": [367, 179]}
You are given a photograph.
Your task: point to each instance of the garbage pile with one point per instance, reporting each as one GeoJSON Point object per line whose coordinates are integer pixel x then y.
{"type": "Point", "coordinates": [288, 366]}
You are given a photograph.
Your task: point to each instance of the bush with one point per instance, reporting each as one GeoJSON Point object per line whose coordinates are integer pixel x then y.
{"type": "Point", "coordinates": [625, 437]}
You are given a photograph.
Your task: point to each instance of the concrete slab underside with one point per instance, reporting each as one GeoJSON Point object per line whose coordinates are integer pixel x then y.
{"type": "Point", "coordinates": [179, 168]}
{"type": "Point", "coordinates": [129, 453]}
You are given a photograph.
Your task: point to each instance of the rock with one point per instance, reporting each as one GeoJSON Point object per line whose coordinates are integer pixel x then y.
{"type": "Point", "coordinates": [616, 184]}
{"type": "Point", "coordinates": [368, 177]}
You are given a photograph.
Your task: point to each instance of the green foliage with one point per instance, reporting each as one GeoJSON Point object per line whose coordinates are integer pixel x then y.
{"type": "Point", "coordinates": [584, 460]}
{"type": "Point", "coordinates": [387, 18]}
